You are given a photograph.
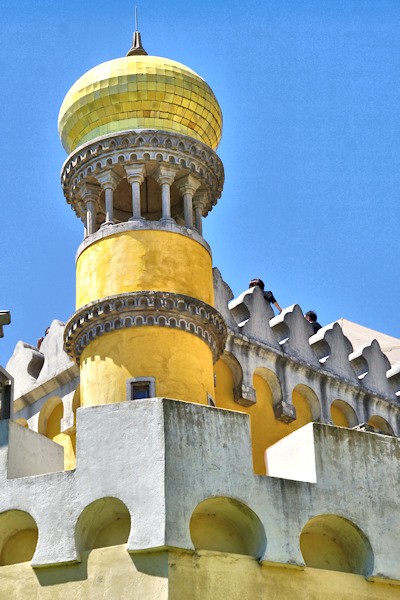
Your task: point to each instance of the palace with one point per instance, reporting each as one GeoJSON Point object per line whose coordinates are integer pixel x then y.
{"type": "Point", "coordinates": [170, 441]}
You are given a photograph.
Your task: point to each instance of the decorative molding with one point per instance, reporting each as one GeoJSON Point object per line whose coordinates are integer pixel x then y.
{"type": "Point", "coordinates": [143, 309]}
{"type": "Point", "coordinates": [131, 147]}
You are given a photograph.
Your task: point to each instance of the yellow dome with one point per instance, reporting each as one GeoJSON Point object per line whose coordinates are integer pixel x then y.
{"type": "Point", "coordinates": [139, 92]}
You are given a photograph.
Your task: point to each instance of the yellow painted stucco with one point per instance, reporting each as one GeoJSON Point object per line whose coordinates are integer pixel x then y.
{"type": "Point", "coordinates": [180, 362]}
{"type": "Point", "coordinates": [111, 574]}
{"type": "Point", "coordinates": [265, 428]}
{"type": "Point", "coordinates": [65, 439]}
{"type": "Point", "coordinates": [338, 417]}
{"type": "Point", "coordinates": [144, 260]}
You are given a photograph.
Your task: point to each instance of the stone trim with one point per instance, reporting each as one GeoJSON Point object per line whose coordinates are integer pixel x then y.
{"type": "Point", "coordinates": [131, 147]}
{"type": "Point", "coordinates": [145, 380]}
{"type": "Point", "coordinates": [171, 227]}
{"type": "Point", "coordinates": [143, 309]}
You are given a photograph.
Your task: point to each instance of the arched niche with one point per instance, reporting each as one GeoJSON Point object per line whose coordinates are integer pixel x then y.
{"type": "Point", "coordinates": [343, 415]}
{"type": "Point", "coordinates": [104, 522]}
{"type": "Point", "coordinates": [336, 544]}
{"type": "Point", "coordinates": [272, 381]}
{"type": "Point", "coordinates": [306, 403]}
{"type": "Point", "coordinates": [229, 377]}
{"type": "Point", "coordinates": [223, 524]}
{"type": "Point", "coordinates": [49, 424]}
{"type": "Point", "coordinates": [51, 413]}
{"type": "Point", "coordinates": [18, 537]}
{"type": "Point", "coordinates": [381, 424]}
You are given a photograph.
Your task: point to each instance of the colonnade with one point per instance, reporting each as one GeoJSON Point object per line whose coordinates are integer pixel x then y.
{"type": "Point", "coordinates": [194, 200]}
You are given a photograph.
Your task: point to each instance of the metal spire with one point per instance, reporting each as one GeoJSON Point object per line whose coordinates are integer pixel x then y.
{"type": "Point", "coordinates": [137, 48]}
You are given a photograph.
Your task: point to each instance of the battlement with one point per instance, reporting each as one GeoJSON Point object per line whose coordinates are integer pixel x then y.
{"type": "Point", "coordinates": [179, 474]}
{"type": "Point", "coordinates": [360, 382]}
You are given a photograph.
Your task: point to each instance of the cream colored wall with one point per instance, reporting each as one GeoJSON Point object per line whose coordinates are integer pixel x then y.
{"type": "Point", "coordinates": [180, 362]}
{"type": "Point", "coordinates": [111, 573]}
{"type": "Point", "coordinates": [265, 428]}
{"type": "Point", "coordinates": [144, 260]}
{"type": "Point", "coordinates": [213, 575]}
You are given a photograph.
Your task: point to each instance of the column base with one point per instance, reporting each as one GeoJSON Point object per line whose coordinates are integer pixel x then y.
{"type": "Point", "coordinates": [106, 224]}
{"type": "Point", "coordinates": [138, 219]}
{"type": "Point", "coordinates": [167, 220]}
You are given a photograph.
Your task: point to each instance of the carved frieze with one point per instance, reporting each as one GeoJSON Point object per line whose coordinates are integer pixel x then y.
{"type": "Point", "coordinates": [140, 309]}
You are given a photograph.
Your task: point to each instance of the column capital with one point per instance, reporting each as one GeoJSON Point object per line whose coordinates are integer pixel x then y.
{"type": "Point", "coordinates": [89, 192]}
{"type": "Point", "coordinates": [188, 184]}
{"type": "Point", "coordinates": [135, 173]}
{"type": "Point", "coordinates": [108, 179]}
{"type": "Point", "coordinates": [165, 174]}
{"type": "Point", "coordinates": [200, 199]}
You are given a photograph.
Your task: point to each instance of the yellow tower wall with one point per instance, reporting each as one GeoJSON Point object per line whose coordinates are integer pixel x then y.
{"type": "Point", "coordinates": [180, 362]}
{"type": "Point", "coordinates": [141, 260]}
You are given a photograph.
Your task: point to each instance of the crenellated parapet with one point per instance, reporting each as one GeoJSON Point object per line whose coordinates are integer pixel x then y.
{"type": "Point", "coordinates": [361, 383]}
{"type": "Point", "coordinates": [316, 485]}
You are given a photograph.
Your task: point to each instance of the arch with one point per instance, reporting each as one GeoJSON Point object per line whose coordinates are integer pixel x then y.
{"type": "Point", "coordinates": [18, 537]}
{"type": "Point", "coordinates": [381, 424]}
{"type": "Point", "coordinates": [302, 394]}
{"type": "Point", "coordinates": [336, 544]}
{"type": "Point", "coordinates": [104, 522]}
{"type": "Point", "coordinates": [273, 382]}
{"type": "Point", "coordinates": [50, 416]}
{"type": "Point", "coordinates": [224, 524]}
{"type": "Point", "coordinates": [236, 369]}
{"type": "Point", "coordinates": [343, 415]}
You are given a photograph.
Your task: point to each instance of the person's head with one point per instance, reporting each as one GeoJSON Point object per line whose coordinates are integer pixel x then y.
{"type": "Point", "coordinates": [257, 283]}
{"type": "Point", "coordinates": [311, 316]}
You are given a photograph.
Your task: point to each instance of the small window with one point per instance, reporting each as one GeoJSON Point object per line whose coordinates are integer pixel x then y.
{"type": "Point", "coordinates": [139, 388]}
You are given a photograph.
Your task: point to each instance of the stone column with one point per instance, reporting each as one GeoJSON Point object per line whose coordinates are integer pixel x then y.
{"type": "Point", "coordinates": [165, 176]}
{"type": "Point", "coordinates": [109, 181]}
{"type": "Point", "coordinates": [90, 194]}
{"type": "Point", "coordinates": [135, 175]}
{"type": "Point", "coordinates": [199, 203]}
{"type": "Point", "coordinates": [187, 186]}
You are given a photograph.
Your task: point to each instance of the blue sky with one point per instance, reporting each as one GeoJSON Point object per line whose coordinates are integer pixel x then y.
{"type": "Point", "coordinates": [310, 96]}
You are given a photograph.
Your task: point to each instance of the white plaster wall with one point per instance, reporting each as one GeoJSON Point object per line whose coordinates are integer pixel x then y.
{"type": "Point", "coordinates": [163, 457]}
{"type": "Point", "coordinates": [293, 457]}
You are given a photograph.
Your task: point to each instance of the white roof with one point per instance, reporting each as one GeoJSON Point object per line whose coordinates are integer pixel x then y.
{"type": "Point", "coordinates": [360, 335]}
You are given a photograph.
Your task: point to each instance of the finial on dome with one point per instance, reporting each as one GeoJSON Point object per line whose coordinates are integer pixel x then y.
{"type": "Point", "coordinates": [137, 48]}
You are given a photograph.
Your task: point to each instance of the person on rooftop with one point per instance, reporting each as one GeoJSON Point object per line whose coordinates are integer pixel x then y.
{"type": "Point", "coordinates": [268, 295]}
{"type": "Point", "coordinates": [40, 340]}
{"type": "Point", "coordinates": [311, 317]}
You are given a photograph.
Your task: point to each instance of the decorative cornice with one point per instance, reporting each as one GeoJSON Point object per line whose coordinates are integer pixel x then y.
{"type": "Point", "coordinates": [88, 161]}
{"type": "Point", "coordinates": [143, 309]}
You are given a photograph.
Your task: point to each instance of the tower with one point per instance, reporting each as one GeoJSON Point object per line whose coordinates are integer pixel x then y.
{"type": "Point", "coordinates": [142, 172]}
{"type": "Point", "coordinates": [169, 499]}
